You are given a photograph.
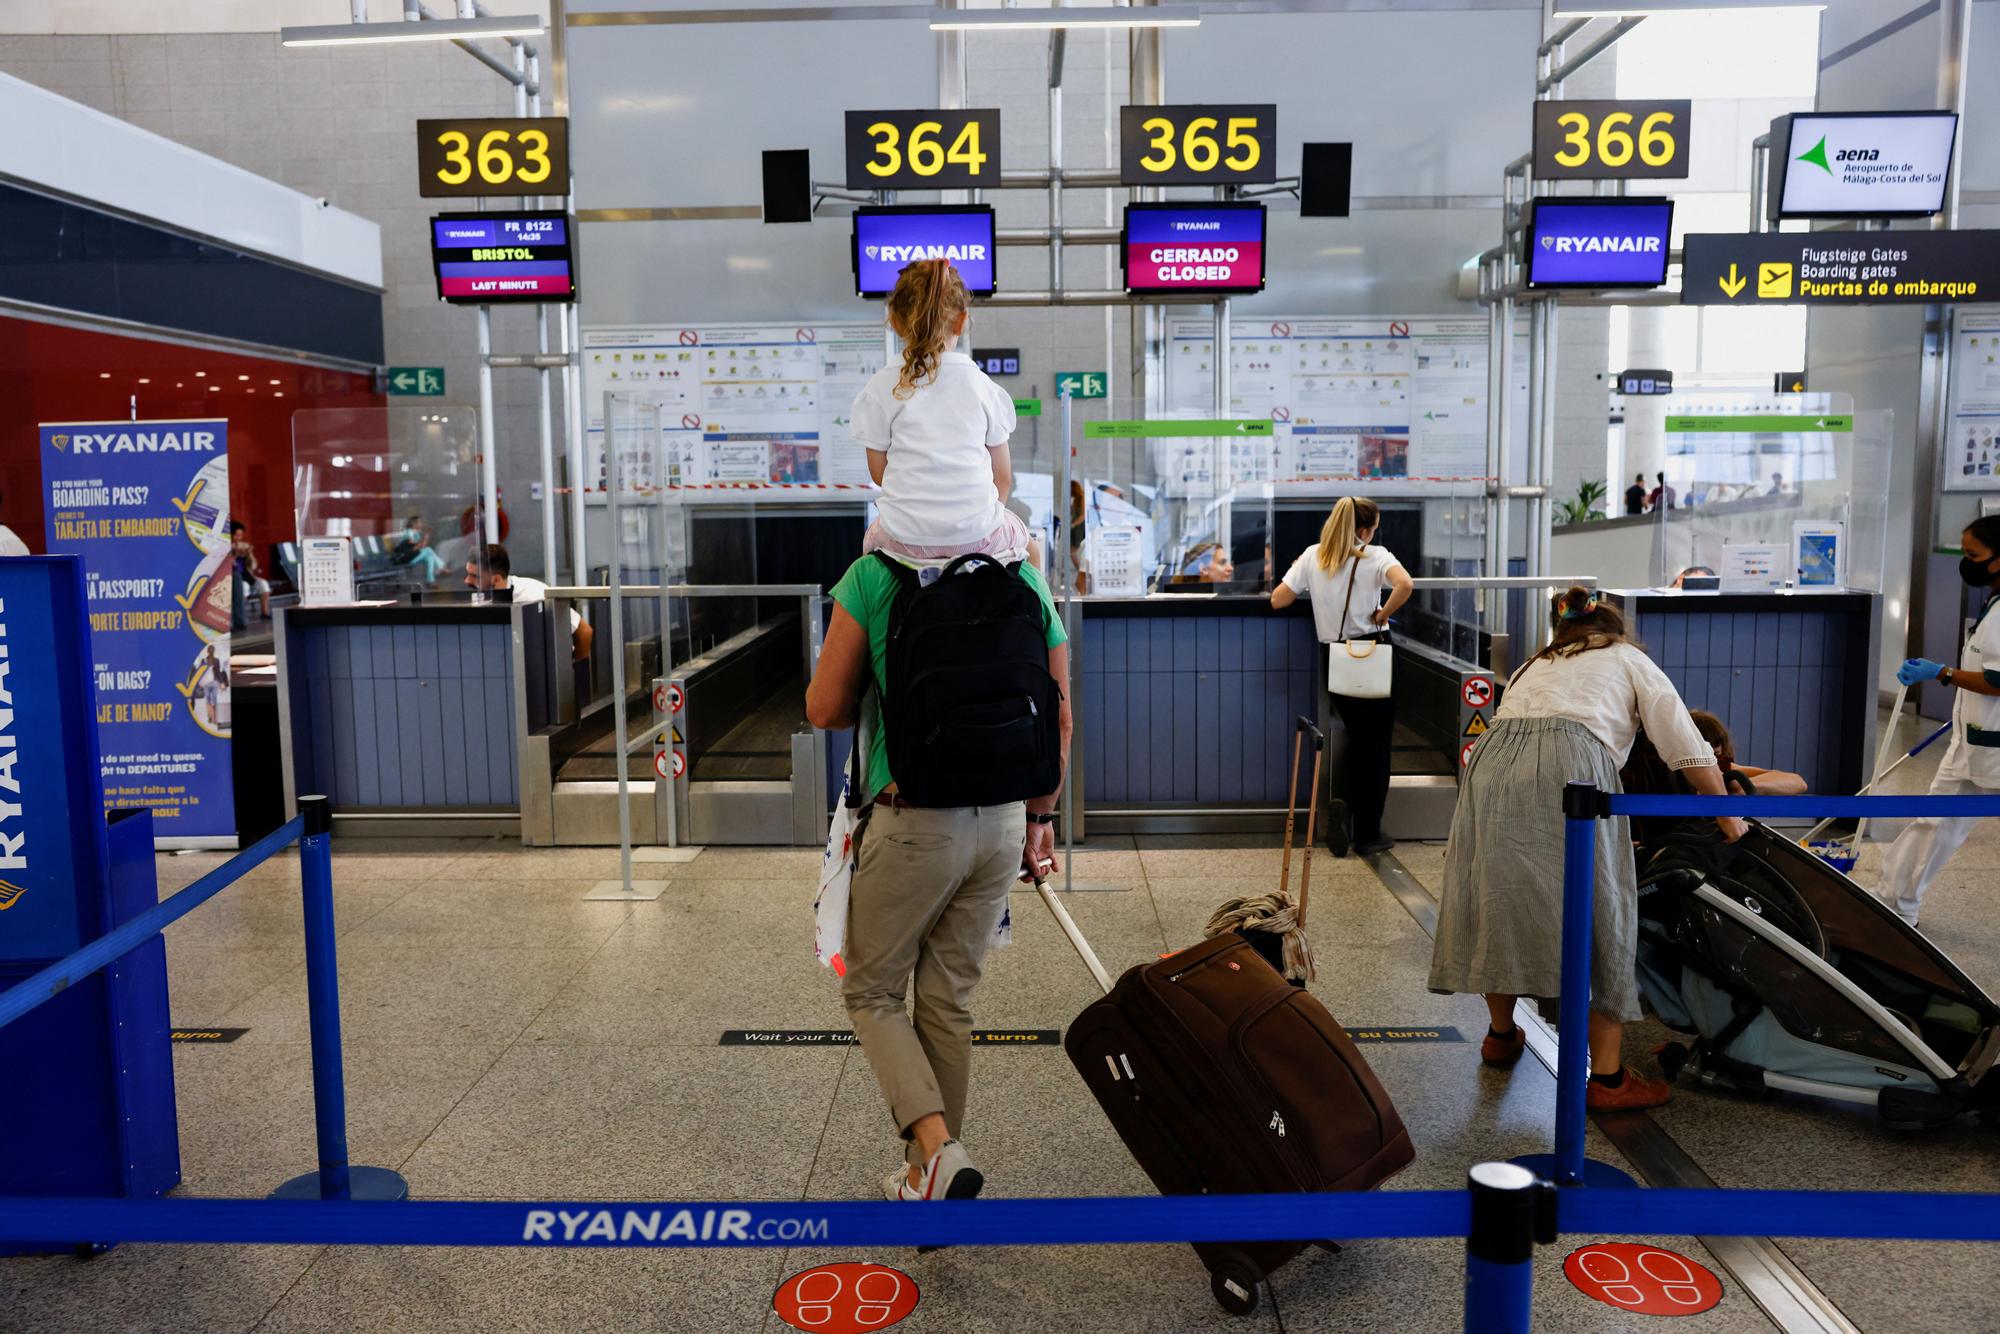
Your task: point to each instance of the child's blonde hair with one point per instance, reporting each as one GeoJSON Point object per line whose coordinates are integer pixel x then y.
{"type": "Point", "coordinates": [924, 311]}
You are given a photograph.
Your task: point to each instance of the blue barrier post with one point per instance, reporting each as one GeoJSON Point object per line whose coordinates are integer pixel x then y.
{"type": "Point", "coordinates": [1580, 815]}
{"type": "Point", "coordinates": [335, 1179]}
{"type": "Point", "coordinates": [1512, 1209]}
{"type": "Point", "coordinates": [1583, 807]}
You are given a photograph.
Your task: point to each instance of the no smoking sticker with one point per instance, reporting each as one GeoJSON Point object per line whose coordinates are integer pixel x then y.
{"type": "Point", "coordinates": [1477, 691]}
{"type": "Point", "coordinates": [1641, 1278]}
{"type": "Point", "coordinates": [846, 1298]}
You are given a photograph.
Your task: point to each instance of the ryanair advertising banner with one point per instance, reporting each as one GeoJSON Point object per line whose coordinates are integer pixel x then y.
{"type": "Point", "coordinates": [146, 504]}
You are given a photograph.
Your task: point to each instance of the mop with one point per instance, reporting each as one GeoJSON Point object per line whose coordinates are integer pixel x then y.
{"type": "Point", "coordinates": [1841, 853]}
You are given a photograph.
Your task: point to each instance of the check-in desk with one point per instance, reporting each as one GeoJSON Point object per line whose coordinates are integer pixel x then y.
{"type": "Point", "coordinates": [1792, 673]}
{"type": "Point", "coordinates": [1187, 707]}
{"type": "Point", "coordinates": [412, 713]}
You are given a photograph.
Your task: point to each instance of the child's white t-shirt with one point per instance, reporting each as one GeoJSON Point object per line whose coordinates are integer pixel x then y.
{"type": "Point", "coordinates": [938, 489]}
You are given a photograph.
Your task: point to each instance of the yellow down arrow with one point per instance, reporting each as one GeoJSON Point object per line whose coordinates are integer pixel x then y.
{"type": "Point", "coordinates": [1734, 283]}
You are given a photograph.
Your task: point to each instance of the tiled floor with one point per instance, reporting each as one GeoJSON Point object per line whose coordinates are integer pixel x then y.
{"type": "Point", "coordinates": [506, 1039]}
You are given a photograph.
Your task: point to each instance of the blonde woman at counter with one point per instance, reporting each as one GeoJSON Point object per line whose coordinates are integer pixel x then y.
{"type": "Point", "coordinates": [1346, 576]}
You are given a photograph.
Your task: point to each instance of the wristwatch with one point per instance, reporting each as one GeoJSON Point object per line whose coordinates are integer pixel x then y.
{"type": "Point", "coordinates": [1041, 817]}
{"type": "Point", "coordinates": [1944, 676]}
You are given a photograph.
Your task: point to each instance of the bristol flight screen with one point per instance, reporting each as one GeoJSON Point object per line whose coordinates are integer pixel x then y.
{"type": "Point", "coordinates": [495, 257]}
{"type": "Point", "coordinates": [888, 239]}
{"type": "Point", "coordinates": [1212, 248]}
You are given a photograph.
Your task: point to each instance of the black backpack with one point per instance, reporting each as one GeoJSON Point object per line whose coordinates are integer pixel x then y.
{"type": "Point", "coordinates": [973, 716]}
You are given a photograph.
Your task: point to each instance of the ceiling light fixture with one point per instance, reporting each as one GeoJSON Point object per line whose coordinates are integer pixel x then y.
{"type": "Point", "coordinates": [427, 30]}
{"type": "Point", "coordinates": [1093, 16]}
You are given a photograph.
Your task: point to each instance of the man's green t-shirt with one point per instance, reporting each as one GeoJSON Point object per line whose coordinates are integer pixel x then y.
{"type": "Point", "coordinates": [868, 591]}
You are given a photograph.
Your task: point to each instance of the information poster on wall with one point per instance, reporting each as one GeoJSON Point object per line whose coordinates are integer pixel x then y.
{"type": "Point", "coordinates": [146, 504]}
{"type": "Point", "coordinates": [741, 405]}
{"type": "Point", "coordinates": [1972, 445]}
{"type": "Point", "coordinates": [1400, 402]}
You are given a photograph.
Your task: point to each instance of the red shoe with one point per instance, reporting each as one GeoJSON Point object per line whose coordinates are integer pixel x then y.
{"type": "Point", "coordinates": [1503, 1053]}
{"type": "Point", "coordinates": [1635, 1092]}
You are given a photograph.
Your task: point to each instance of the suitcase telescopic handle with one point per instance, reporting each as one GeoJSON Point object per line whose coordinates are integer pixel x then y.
{"type": "Point", "coordinates": [1069, 927]}
{"type": "Point", "coordinates": [1311, 729]}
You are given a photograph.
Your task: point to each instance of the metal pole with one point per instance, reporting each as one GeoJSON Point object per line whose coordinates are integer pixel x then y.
{"type": "Point", "coordinates": [612, 485]}
{"type": "Point", "coordinates": [1955, 51]}
{"type": "Point", "coordinates": [1503, 539]}
{"type": "Point", "coordinates": [1760, 169]}
{"type": "Point", "coordinates": [1537, 315]}
{"type": "Point", "coordinates": [1511, 1210]}
{"type": "Point", "coordinates": [1580, 815]}
{"type": "Point", "coordinates": [667, 662]}
{"type": "Point", "coordinates": [489, 477]}
{"type": "Point", "coordinates": [1058, 42]}
{"type": "Point", "coordinates": [1492, 563]}
{"type": "Point", "coordinates": [574, 439]}
{"type": "Point", "coordinates": [1543, 557]}
{"type": "Point", "coordinates": [1068, 581]}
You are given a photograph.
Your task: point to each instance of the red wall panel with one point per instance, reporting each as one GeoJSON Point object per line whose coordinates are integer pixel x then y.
{"type": "Point", "coordinates": [52, 373]}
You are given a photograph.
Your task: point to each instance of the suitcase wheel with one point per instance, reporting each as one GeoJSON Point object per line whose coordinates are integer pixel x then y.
{"type": "Point", "coordinates": [1234, 1283]}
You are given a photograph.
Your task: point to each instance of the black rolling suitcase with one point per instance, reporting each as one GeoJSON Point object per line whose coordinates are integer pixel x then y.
{"type": "Point", "coordinates": [1223, 1078]}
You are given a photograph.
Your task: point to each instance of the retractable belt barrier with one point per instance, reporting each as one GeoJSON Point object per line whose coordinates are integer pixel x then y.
{"type": "Point", "coordinates": [312, 830]}
{"type": "Point", "coordinates": [1504, 1212]}
{"type": "Point", "coordinates": [1583, 805]}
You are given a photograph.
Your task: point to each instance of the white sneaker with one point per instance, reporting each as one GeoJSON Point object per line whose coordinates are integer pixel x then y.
{"type": "Point", "coordinates": [950, 1175]}
{"type": "Point", "coordinates": [896, 1186]}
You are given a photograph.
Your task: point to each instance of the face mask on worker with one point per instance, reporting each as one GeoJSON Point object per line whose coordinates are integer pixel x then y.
{"type": "Point", "coordinates": [1975, 572]}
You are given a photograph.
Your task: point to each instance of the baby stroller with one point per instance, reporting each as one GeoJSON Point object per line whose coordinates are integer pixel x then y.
{"type": "Point", "coordinates": [1789, 976]}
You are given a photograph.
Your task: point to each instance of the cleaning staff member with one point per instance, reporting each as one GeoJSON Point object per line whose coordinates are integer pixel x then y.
{"type": "Point", "coordinates": [1972, 762]}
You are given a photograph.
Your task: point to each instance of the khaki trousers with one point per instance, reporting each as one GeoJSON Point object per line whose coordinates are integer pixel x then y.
{"type": "Point", "coordinates": [929, 890]}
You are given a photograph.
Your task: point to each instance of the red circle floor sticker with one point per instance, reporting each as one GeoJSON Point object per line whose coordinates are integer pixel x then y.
{"type": "Point", "coordinates": [846, 1298]}
{"type": "Point", "coordinates": [1644, 1279]}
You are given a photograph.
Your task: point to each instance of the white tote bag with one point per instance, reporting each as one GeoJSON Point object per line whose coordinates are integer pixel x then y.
{"type": "Point", "coordinates": [1358, 668]}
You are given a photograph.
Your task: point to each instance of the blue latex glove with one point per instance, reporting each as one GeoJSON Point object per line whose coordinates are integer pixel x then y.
{"type": "Point", "coordinates": [1918, 670]}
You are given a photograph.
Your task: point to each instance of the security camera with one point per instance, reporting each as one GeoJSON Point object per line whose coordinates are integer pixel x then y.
{"type": "Point", "coordinates": [322, 202]}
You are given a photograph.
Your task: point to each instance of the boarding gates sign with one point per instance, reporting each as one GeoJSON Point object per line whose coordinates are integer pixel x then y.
{"type": "Point", "coordinates": [146, 504]}
{"type": "Point", "coordinates": [1901, 267]}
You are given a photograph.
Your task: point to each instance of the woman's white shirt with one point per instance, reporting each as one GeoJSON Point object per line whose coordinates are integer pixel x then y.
{"type": "Point", "coordinates": [1980, 658]}
{"type": "Point", "coordinates": [1328, 590]}
{"type": "Point", "coordinates": [1614, 692]}
{"type": "Point", "coordinates": [938, 489]}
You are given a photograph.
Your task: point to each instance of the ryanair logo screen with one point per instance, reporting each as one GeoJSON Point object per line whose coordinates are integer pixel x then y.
{"type": "Point", "coordinates": [1599, 243]}
{"type": "Point", "coordinates": [885, 240]}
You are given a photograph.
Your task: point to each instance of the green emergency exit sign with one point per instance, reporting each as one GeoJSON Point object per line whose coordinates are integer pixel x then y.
{"type": "Point", "coordinates": [1081, 384]}
{"type": "Point", "coordinates": [416, 381]}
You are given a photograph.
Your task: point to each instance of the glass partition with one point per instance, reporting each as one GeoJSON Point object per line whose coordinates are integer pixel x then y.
{"type": "Point", "coordinates": [1774, 491]}
{"type": "Point", "coordinates": [1157, 508]}
{"type": "Point", "coordinates": [402, 483]}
